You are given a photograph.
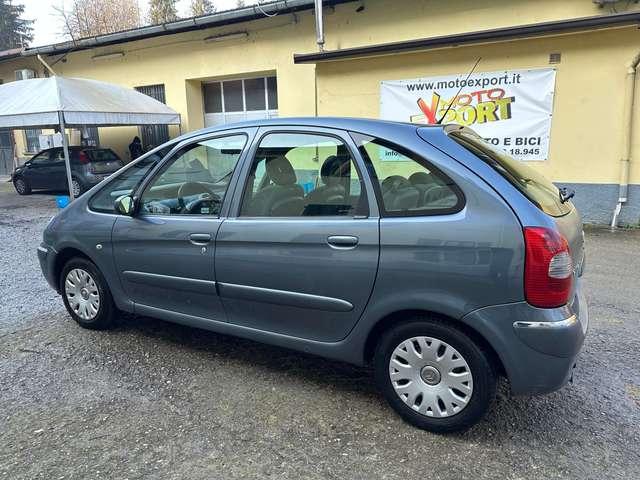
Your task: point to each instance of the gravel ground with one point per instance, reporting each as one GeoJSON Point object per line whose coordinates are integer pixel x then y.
{"type": "Point", "coordinates": [155, 400]}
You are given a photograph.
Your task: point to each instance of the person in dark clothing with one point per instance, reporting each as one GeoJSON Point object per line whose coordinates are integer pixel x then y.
{"type": "Point", "coordinates": [135, 148]}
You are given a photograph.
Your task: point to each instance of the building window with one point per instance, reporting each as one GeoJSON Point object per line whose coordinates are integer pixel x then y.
{"type": "Point", "coordinates": [89, 137]}
{"type": "Point", "coordinates": [153, 135]}
{"type": "Point", "coordinates": [232, 101]}
{"type": "Point", "coordinates": [32, 140]}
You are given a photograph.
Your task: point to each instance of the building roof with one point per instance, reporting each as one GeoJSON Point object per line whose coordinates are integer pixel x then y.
{"type": "Point", "coordinates": [227, 17]}
{"type": "Point", "coordinates": [11, 53]}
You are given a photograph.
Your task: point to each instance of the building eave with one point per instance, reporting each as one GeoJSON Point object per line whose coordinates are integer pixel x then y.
{"type": "Point", "coordinates": [219, 19]}
{"type": "Point", "coordinates": [476, 37]}
{"type": "Point", "coordinates": [11, 53]}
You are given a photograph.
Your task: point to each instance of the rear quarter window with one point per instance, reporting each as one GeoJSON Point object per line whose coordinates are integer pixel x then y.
{"type": "Point", "coordinates": [405, 183]}
{"type": "Point", "coordinates": [532, 184]}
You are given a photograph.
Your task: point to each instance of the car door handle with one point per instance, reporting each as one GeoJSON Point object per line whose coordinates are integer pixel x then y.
{"type": "Point", "coordinates": [200, 238]}
{"type": "Point", "coordinates": [342, 242]}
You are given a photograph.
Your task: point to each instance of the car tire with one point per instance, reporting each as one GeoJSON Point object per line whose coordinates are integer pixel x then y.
{"type": "Point", "coordinates": [440, 383]}
{"type": "Point", "coordinates": [78, 187]}
{"type": "Point", "coordinates": [86, 295]}
{"type": "Point", "coordinates": [22, 186]}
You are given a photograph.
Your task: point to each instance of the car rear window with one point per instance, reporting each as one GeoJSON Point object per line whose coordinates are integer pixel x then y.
{"type": "Point", "coordinates": [102, 155]}
{"type": "Point", "coordinates": [533, 185]}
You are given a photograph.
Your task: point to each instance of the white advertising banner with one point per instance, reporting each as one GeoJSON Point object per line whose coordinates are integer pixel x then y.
{"type": "Point", "coordinates": [511, 109]}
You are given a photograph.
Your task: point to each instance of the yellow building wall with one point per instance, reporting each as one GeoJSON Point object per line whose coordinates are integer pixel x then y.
{"type": "Point", "coordinates": [586, 131]}
{"type": "Point", "coordinates": [182, 62]}
{"type": "Point", "coordinates": [7, 74]}
{"type": "Point", "coordinates": [586, 127]}
{"type": "Point", "coordinates": [384, 21]}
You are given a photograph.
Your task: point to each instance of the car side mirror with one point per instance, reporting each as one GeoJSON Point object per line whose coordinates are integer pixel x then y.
{"type": "Point", "coordinates": [125, 205]}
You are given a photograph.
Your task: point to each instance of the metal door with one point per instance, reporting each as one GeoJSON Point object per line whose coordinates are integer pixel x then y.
{"type": "Point", "coordinates": [6, 152]}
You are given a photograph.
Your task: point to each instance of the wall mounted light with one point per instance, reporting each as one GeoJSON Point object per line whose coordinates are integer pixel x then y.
{"type": "Point", "coordinates": [107, 56]}
{"type": "Point", "coordinates": [226, 36]}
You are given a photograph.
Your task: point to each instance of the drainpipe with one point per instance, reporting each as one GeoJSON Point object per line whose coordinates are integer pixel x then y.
{"type": "Point", "coordinates": [625, 161]}
{"type": "Point", "coordinates": [319, 25]}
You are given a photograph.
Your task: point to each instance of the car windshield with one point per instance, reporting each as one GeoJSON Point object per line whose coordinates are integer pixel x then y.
{"type": "Point", "coordinates": [533, 185]}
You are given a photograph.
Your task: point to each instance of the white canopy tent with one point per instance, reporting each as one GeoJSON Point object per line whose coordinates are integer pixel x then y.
{"type": "Point", "coordinates": [60, 103]}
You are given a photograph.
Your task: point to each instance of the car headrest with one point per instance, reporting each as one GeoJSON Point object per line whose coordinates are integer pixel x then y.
{"type": "Point", "coordinates": [280, 171]}
{"type": "Point", "coordinates": [394, 182]}
{"type": "Point", "coordinates": [420, 178]}
{"type": "Point", "coordinates": [334, 169]}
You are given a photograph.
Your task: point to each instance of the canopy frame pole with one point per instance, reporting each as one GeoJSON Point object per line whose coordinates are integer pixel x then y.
{"type": "Point", "coordinates": [65, 148]}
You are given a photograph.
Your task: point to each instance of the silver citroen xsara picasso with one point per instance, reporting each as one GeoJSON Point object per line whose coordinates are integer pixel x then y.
{"type": "Point", "coordinates": [423, 251]}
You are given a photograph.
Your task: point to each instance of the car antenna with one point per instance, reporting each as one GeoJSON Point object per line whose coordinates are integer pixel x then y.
{"type": "Point", "coordinates": [459, 90]}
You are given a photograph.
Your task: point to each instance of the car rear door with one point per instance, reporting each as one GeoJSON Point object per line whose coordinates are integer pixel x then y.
{"type": "Point", "coordinates": [57, 169]}
{"type": "Point", "coordinates": [164, 253]}
{"type": "Point", "coordinates": [289, 266]}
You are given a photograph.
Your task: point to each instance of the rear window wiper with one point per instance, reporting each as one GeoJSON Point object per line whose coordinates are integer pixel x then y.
{"type": "Point", "coordinates": [566, 194]}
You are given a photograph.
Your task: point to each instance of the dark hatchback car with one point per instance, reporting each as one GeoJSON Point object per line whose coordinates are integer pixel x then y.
{"type": "Point", "coordinates": [46, 170]}
{"type": "Point", "coordinates": [423, 251]}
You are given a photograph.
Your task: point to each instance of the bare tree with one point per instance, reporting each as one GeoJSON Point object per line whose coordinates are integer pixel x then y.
{"type": "Point", "coordinates": [162, 11]}
{"type": "Point", "coordinates": [96, 17]}
{"type": "Point", "coordinates": [202, 7]}
{"type": "Point", "coordinates": [240, 3]}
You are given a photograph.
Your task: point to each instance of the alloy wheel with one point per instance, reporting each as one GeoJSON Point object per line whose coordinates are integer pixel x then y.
{"type": "Point", "coordinates": [431, 377]}
{"type": "Point", "coordinates": [82, 293]}
{"type": "Point", "coordinates": [21, 187]}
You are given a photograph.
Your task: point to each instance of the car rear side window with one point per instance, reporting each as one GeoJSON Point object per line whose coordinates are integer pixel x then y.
{"type": "Point", "coordinates": [406, 184]}
{"type": "Point", "coordinates": [303, 175]}
{"type": "Point", "coordinates": [533, 185]}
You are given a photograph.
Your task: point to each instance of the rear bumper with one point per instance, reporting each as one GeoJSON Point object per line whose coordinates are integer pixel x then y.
{"type": "Point", "coordinates": [47, 259]}
{"type": "Point", "coordinates": [538, 347]}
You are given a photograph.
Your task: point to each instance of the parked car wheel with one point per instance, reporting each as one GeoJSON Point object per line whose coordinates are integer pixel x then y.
{"type": "Point", "coordinates": [86, 295]}
{"type": "Point", "coordinates": [22, 186]}
{"type": "Point", "coordinates": [434, 375]}
{"type": "Point", "coordinates": [78, 189]}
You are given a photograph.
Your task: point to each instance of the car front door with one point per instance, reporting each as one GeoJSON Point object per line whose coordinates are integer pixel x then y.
{"type": "Point", "coordinates": [164, 253]}
{"type": "Point", "coordinates": [37, 169]}
{"type": "Point", "coordinates": [299, 252]}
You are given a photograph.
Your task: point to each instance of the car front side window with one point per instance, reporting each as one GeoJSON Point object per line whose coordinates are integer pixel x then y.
{"type": "Point", "coordinates": [195, 181]}
{"type": "Point", "coordinates": [125, 182]}
{"type": "Point", "coordinates": [41, 158]}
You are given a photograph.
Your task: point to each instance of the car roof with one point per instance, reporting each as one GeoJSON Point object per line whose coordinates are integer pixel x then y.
{"type": "Point", "coordinates": [362, 125]}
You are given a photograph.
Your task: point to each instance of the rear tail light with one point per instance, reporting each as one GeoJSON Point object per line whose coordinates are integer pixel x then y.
{"type": "Point", "coordinates": [84, 158]}
{"type": "Point", "coordinates": [548, 269]}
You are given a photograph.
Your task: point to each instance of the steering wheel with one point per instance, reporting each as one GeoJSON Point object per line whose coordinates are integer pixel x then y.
{"type": "Point", "coordinates": [206, 204]}
{"type": "Point", "coordinates": [205, 197]}
{"type": "Point", "coordinates": [188, 189]}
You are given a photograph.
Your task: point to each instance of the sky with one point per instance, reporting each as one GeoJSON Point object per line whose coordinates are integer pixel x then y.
{"type": "Point", "coordinates": [47, 28]}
